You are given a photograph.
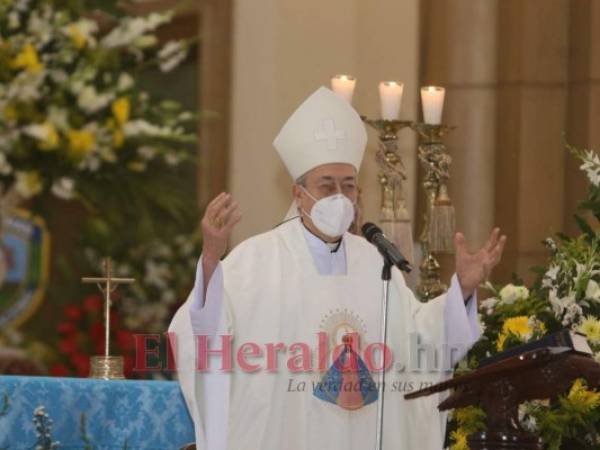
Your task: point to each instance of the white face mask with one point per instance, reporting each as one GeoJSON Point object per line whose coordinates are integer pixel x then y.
{"type": "Point", "coordinates": [332, 215]}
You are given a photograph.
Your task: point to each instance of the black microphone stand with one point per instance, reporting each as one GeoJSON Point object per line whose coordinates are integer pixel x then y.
{"type": "Point", "coordinates": [386, 276]}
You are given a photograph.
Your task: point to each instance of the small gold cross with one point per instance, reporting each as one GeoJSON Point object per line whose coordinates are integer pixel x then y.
{"type": "Point", "coordinates": [110, 285]}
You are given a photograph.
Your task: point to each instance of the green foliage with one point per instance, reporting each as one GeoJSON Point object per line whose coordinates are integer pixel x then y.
{"type": "Point", "coordinates": [73, 119]}
{"type": "Point", "coordinates": [104, 162]}
{"type": "Point", "coordinates": [566, 294]}
{"type": "Point", "coordinates": [471, 419]}
{"type": "Point", "coordinates": [573, 418]}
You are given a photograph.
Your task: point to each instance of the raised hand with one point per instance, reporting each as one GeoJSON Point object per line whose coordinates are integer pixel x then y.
{"type": "Point", "coordinates": [220, 217]}
{"type": "Point", "coordinates": [473, 269]}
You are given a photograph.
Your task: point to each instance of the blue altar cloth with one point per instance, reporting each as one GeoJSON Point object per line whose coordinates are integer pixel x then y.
{"type": "Point", "coordinates": [144, 415]}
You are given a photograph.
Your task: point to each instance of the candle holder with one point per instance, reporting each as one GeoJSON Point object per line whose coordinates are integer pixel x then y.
{"type": "Point", "coordinates": [438, 227]}
{"type": "Point", "coordinates": [107, 366]}
{"type": "Point", "coordinates": [393, 215]}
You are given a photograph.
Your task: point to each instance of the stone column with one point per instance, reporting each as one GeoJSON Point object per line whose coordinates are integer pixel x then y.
{"type": "Point", "coordinates": [533, 51]}
{"type": "Point", "coordinates": [583, 102]}
{"type": "Point", "coordinates": [214, 55]}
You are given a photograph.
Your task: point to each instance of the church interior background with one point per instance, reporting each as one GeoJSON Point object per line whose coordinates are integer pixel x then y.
{"type": "Point", "coordinates": [522, 80]}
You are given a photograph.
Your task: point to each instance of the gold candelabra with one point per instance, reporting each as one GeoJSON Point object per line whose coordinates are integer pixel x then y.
{"type": "Point", "coordinates": [438, 228]}
{"type": "Point", "coordinates": [394, 216]}
{"type": "Point", "coordinates": [107, 366]}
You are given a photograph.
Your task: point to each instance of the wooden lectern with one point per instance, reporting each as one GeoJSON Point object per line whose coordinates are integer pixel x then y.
{"type": "Point", "coordinates": [500, 387]}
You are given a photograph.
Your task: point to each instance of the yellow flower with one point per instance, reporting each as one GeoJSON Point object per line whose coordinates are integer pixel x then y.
{"type": "Point", "coordinates": [51, 139]}
{"type": "Point", "coordinates": [28, 183]}
{"type": "Point", "coordinates": [10, 112]}
{"type": "Point", "coordinates": [136, 166]}
{"type": "Point", "coordinates": [82, 33]}
{"type": "Point", "coordinates": [118, 138]}
{"type": "Point", "coordinates": [120, 109]}
{"type": "Point", "coordinates": [460, 440]}
{"type": "Point", "coordinates": [518, 326]}
{"type": "Point", "coordinates": [78, 38]}
{"type": "Point", "coordinates": [582, 398]}
{"type": "Point", "coordinates": [81, 142]}
{"type": "Point", "coordinates": [28, 59]}
{"type": "Point", "coordinates": [591, 328]}
{"type": "Point", "coordinates": [45, 133]}
{"type": "Point", "coordinates": [467, 415]}
{"type": "Point", "coordinates": [500, 342]}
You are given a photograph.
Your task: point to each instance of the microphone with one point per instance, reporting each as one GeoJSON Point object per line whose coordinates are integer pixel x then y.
{"type": "Point", "coordinates": [388, 250]}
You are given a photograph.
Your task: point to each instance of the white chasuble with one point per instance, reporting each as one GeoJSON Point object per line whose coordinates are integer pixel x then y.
{"type": "Point", "coordinates": [290, 398]}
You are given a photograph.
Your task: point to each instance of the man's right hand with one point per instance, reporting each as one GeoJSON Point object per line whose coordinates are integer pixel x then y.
{"type": "Point", "coordinates": [220, 217]}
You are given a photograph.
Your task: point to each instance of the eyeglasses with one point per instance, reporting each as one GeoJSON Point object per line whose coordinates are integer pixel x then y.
{"type": "Point", "coordinates": [325, 188]}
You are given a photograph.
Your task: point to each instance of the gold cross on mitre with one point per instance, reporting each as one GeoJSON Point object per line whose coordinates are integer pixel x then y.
{"type": "Point", "coordinates": [107, 284]}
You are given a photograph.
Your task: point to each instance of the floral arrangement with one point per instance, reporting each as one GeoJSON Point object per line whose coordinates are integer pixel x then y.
{"type": "Point", "coordinates": [71, 115]}
{"type": "Point", "coordinates": [82, 334]}
{"type": "Point", "coordinates": [565, 295]}
{"type": "Point", "coordinates": [165, 273]}
{"type": "Point", "coordinates": [76, 126]}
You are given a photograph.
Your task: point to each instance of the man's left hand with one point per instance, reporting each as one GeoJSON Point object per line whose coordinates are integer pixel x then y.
{"type": "Point", "coordinates": [473, 269]}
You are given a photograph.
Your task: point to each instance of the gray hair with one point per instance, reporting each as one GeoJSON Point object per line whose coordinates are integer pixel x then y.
{"type": "Point", "coordinates": [301, 180]}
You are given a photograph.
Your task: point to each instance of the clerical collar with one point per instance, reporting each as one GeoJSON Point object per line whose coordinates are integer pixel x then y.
{"type": "Point", "coordinates": [333, 246]}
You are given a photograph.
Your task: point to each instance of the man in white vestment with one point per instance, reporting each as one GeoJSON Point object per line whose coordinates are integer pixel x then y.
{"type": "Point", "coordinates": [278, 345]}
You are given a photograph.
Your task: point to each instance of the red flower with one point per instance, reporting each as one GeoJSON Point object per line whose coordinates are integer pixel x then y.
{"type": "Point", "coordinates": [97, 331]}
{"type": "Point", "coordinates": [81, 363]}
{"type": "Point", "coordinates": [73, 312]}
{"type": "Point", "coordinates": [125, 340]}
{"type": "Point", "coordinates": [93, 303]}
{"type": "Point", "coordinates": [128, 366]}
{"type": "Point", "coordinates": [67, 346]}
{"type": "Point", "coordinates": [99, 347]}
{"type": "Point", "coordinates": [59, 370]}
{"type": "Point", "coordinates": [66, 328]}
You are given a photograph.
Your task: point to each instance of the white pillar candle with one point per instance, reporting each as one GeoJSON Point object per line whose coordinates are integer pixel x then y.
{"type": "Point", "coordinates": [390, 96]}
{"type": "Point", "coordinates": [343, 85]}
{"type": "Point", "coordinates": [432, 98]}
